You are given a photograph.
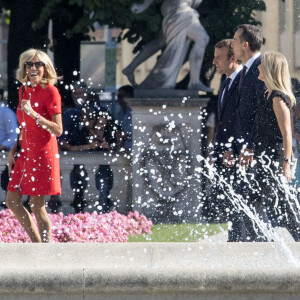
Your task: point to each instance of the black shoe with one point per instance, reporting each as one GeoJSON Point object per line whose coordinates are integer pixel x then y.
{"type": "Point", "coordinates": [79, 207]}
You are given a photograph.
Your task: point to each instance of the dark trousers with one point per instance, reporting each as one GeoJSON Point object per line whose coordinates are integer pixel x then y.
{"type": "Point", "coordinates": [78, 180]}
{"type": "Point", "coordinates": [104, 183]}
{"type": "Point", "coordinates": [243, 228]}
{"type": "Point", "coordinates": [219, 204]}
{"type": "Point", "coordinates": [79, 183]}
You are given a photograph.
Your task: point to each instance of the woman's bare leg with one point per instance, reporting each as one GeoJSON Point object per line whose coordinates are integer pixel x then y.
{"type": "Point", "coordinates": [14, 203]}
{"type": "Point", "coordinates": [37, 205]}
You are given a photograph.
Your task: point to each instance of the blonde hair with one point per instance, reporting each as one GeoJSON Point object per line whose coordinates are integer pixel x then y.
{"type": "Point", "coordinates": [277, 74]}
{"type": "Point", "coordinates": [50, 76]}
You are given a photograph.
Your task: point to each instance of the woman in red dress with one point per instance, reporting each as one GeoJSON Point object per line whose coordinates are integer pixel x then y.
{"type": "Point", "coordinates": [36, 170]}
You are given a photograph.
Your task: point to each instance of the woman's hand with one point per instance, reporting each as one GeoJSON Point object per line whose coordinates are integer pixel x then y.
{"type": "Point", "coordinates": [26, 107]}
{"type": "Point", "coordinates": [286, 171]}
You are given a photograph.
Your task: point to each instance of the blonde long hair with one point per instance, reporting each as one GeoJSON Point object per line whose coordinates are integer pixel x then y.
{"type": "Point", "coordinates": [50, 75]}
{"type": "Point", "coordinates": [277, 74]}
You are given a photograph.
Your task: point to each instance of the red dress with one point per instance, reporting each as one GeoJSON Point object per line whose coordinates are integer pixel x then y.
{"type": "Point", "coordinates": [37, 170]}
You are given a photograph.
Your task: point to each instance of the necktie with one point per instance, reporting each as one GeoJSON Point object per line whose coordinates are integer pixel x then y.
{"type": "Point", "coordinates": [225, 90]}
{"type": "Point", "coordinates": [242, 77]}
{"type": "Point", "coordinates": [227, 82]}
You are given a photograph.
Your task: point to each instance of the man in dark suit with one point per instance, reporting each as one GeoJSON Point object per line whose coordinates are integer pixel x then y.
{"type": "Point", "coordinates": [225, 63]}
{"type": "Point", "coordinates": [247, 43]}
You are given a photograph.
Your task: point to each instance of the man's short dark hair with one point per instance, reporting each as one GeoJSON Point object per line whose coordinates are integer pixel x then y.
{"type": "Point", "coordinates": [127, 89]}
{"type": "Point", "coordinates": [229, 44]}
{"type": "Point", "coordinates": [226, 43]}
{"type": "Point", "coordinates": [251, 34]}
{"type": "Point", "coordinates": [1, 92]}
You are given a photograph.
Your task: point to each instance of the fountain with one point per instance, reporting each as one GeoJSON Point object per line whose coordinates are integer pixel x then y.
{"type": "Point", "coordinates": [209, 269]}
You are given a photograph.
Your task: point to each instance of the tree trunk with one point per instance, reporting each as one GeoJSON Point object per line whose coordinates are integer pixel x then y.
{"type": "Point", "coordinates": [20, 38]}
{"type": "Point", "coordinates": [66, 50]}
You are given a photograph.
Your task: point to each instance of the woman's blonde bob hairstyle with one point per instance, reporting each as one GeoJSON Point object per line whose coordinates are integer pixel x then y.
{"type": "Point", "coordinates": [50, 76]}
{"type": "Point", "coordinates": [277, 74]}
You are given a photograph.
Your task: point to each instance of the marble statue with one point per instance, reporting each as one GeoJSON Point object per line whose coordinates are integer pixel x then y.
{"type": "Point", "coordinates": [180, 27]}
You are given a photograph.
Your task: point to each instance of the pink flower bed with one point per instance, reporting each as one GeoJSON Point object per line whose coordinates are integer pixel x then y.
{"type": "Point", "coordinates": [80, 228]}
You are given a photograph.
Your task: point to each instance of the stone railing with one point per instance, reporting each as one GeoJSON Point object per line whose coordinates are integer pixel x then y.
{"type": "Point", "coordinates": [120, 166]}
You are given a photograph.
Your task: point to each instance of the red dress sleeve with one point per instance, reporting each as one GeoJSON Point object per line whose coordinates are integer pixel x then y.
{"type": "Point", "coordinates": [53, 105]}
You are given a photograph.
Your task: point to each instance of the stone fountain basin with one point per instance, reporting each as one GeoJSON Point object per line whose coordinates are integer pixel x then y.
{"type": "Point", "coordinates": [204, 270]}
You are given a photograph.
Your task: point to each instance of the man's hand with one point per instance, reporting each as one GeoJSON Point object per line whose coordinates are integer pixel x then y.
{"type": "Point", "coordinates": [246, 158]}
{"type": "Point", "coordinates": [228, 159]}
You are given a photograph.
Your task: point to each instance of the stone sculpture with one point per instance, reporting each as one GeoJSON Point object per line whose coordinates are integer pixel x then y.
{"type": "Point", "coordinates": [180, 27]}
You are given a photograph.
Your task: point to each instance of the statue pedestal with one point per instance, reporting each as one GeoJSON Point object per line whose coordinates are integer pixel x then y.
{"type": "Point", "coordinates": [166, 142]}
{"type": "Point", "coordinates": [165, 93]}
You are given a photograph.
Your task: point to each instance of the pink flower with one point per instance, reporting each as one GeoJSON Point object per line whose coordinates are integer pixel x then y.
{"type": "Point", "coordinates": [80, 228]}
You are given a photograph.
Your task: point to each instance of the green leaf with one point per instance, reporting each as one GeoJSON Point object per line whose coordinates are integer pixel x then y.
{"type": "Point", "coordinates": [76, 2]}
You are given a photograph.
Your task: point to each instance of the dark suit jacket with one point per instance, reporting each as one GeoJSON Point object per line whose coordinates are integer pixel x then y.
{"type": "Point", "coordinates": [248, 100]}
{"type": "Point", "coordinates": [226, 116]}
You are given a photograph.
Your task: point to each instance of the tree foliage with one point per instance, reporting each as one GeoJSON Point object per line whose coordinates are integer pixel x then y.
{"type": "Point", "coordinates": [66, 46]}
{"type": "Point", "coordinates": [219, 18]}
{"type": "Point", "coordinates": [115, 13]}
{"type": "Point", "coordinates": [73, 18]}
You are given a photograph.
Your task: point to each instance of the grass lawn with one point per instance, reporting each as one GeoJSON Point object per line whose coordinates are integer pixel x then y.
{"type": "Point", "coordinates": [179, 233]}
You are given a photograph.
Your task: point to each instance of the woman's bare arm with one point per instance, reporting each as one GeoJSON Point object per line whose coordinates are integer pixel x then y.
{"type": "Point", "coordinates": [283, 117]}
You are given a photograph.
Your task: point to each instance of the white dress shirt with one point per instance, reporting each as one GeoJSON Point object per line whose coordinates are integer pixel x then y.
{"type": "Point", "coordinates": [250, 61]}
